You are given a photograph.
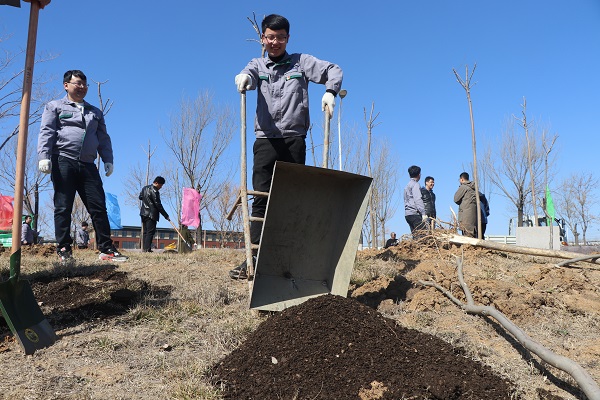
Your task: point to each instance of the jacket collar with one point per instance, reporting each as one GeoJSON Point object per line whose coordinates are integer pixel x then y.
{"type": "Point", "coordinates": [66, 100]}
{"type": "Point", "coordinates": [284, 60]}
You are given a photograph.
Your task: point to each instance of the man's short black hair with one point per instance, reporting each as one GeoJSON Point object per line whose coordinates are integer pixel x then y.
{"type": "Point", "coordinates": [429, 178]}
{"type": "Point", "coordinates": [84, 223]}
{"type": "Point", "coordinates": [414, 171]}
{"type": "Point", "coordinates": [465, 176]}
{"type": "Point", "coordinates": [275, 22]}
{"type": "Point", "coordinates": [74, 72]}
{"type": "Point", "coordinates": [159, 180]}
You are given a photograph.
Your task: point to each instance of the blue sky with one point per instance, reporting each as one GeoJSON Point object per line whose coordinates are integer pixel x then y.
{"type": "Point", "coordinates": [399, 55]}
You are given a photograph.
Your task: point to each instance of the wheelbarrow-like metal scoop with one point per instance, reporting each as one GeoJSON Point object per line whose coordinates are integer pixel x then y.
{"type": "Point", "coordinates": [310, 235]}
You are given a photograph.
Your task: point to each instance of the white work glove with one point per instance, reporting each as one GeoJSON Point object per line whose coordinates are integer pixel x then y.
{"type": "Point", "coordinates": [108, 168]}
{"type": "Point", "coordinates": [329, 101]}
{"type": "Point", "coordinates": [45, 166]}
{"type": "Point", "coordinates": [243, 81]}
{"type": "Point", "coordinates": [424, 218]}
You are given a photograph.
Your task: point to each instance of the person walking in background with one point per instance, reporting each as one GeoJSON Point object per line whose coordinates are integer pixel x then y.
{"type": "Point", "coordinates": [467, 206]}
{"type": "Point", "coordinates": [282, 117]}
{"type": "Point", "coordinates": [150, 208]}
{"type": "Point", "coordinates": [429, 201]}
{"type": "Point", "coordinates": [27, 232]}
{"type": "Point", "coordinates": [392, 241]}
{"type": "Point", "coordinates": [485, 213]}
{"type": "Point", "coordinates": [187, 237]}
{"type": "Point", "coordinates": [72, 134]}
{"type": "Point", "coordinates": [82, 236]}
{"type": "Point", "coordinates": [414, 209]}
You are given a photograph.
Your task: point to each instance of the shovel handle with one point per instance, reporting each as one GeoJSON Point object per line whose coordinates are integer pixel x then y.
{"type": "Point", "coordinates": [327, 114]}
{"type": "Point", "coordinates": [179, 233]}
{"type": "Point", "coordinates": [15, 255]}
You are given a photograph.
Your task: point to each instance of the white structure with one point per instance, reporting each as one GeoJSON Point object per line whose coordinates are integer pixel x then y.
{"type": "Point", "coordinates": [538, 237]}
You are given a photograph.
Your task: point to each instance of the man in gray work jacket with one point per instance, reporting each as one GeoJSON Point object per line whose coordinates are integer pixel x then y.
{"type": "Point", "coordinates": [72, 133]}
{"type": "Point", "coordinates": [414, 209]}
{"type": "Point", "coordinates": [282, 117]}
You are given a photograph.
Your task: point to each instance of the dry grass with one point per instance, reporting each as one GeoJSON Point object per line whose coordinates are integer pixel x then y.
{"type": "Point", "coordinates": [165, 346]}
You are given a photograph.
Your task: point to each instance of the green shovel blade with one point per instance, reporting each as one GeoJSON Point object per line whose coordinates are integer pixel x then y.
{"type": "Point", "coordinates": [24, 316]}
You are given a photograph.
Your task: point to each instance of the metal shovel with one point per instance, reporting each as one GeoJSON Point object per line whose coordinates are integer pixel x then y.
{"type": "Point", "coordinates": [19, 306]}
{"type": "Point", "coordinates": [180, 235]}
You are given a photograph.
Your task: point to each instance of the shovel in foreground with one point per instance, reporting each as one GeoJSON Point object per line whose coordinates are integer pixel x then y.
{"type": "Point", "coordinates": [19, 306]}
{"type": "Point", "coordinates": [22, 312]}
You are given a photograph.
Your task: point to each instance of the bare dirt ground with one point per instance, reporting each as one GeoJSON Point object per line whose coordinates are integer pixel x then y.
{"type": "Point", "coordinates": [170, 326]}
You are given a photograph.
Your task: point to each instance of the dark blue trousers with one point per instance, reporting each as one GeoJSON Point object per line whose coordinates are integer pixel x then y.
{"type": "Point", "coordinates": [72, 176]}
{"type": "Point", "coordinates": [266, 152]}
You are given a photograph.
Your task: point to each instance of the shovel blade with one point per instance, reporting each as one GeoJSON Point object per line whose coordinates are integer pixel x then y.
{"type": "Point", "coordinates": [24, 316]}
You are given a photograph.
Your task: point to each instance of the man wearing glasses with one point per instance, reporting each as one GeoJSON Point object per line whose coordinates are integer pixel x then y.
{"type": "Point", "coordinates": [282, 118]}
{"type": "Point", "coordinates": [72, 133]}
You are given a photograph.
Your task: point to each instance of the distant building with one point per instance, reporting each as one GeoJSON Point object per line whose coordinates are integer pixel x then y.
{"type": "Point", "coordinates": [129, 238]}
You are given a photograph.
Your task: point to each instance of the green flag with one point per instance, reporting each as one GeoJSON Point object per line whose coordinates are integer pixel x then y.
{"type": "Point", "coordinates": [549, 204]}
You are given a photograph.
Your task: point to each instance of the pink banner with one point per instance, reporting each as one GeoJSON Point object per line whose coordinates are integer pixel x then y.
{"type": "Point", "coordinates": [190, 207]}
{"type": "Point", "coordinates": [6, 212]}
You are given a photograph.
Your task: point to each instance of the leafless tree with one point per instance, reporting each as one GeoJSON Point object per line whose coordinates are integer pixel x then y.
{"type": "Point", "coordinates": [199, 133]}
{"type": "Point", "coordinates": [525, 126]}
{"type": "Point", "coordinates": [548, 145]}
{"type": "Point", "coordinates": [256, 28]}
{"type": "Point", "coordinates": [11, 88]}
{"type": "Point", "coordinates": [354, 150]}
{"type": "Point", "coordinates": [385, 179]}
{"type": "Point", "coordinates": [219, 208]}
{"type": "Point", "coordinates": [467, 85]}
{"type": "Point", "coordinates": [370, 123]}
{"type": "Point", "coordinates": [34, 182]}
{"type": "Point", "coordinates": [576, 202]}
{"type": "Point", "coordinates": [507, 166]}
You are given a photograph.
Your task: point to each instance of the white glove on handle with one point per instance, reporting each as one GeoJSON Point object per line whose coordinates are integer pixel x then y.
{"type": "Point", "coordinates": [45, 166]}
{"type": "Point", "coordinates": [108, 169]}
{"type": "Point", "coordinates": [424, 218]}
{"type": "Point", "coordinates": [243, 81]}
{"type": "Point", "coordinates": [329, 101]}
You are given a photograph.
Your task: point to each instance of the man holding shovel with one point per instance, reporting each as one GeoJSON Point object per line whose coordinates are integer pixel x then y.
{"type": "Point", "coordinates": [150, 208]}
{"type": "Point", "coordinates": [282, 118]}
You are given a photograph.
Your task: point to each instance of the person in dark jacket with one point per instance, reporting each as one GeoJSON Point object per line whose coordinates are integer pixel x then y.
{"type": "Point", "coordinates": [429, 200]}
{"type": "Point", "coordinates": [485, 213]}
{"type": "Point", "coordinates": [150, 209]}
{"type": "Point", "coordinates": [392, 241]}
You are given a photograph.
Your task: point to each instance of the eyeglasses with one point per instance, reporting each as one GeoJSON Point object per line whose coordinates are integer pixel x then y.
{"type": "Point", "coordinates": [276, 38]}
{"type": "Point", "coordinates": [79, 84]}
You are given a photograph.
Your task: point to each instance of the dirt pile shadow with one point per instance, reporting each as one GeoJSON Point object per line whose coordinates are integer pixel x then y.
{"type": "Point", "coordinates": [330, 347]}
{"type": "Point", "coordinates": [75, 295]}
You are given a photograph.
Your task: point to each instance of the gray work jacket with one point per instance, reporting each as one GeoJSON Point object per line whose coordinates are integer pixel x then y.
{"type": "Point", "coordinates": [282, 106]}
{"type": "Point", "coordinates": [66, 132]}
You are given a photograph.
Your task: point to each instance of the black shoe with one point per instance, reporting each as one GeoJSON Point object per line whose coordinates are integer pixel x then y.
{"type": "Point", "coordinates": [241, 271]}
{"type": "Point", "coordinates": [112, 254]}
{"type": "Point", "coordinates": [64, 254]}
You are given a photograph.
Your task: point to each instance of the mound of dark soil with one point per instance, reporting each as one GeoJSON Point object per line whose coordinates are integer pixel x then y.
{"type": "Point", "coordinates": [330, 347]}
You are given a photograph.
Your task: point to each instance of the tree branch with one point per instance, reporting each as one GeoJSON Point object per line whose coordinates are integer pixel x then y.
{"type": "Point", "coordinates": [581, 376]}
